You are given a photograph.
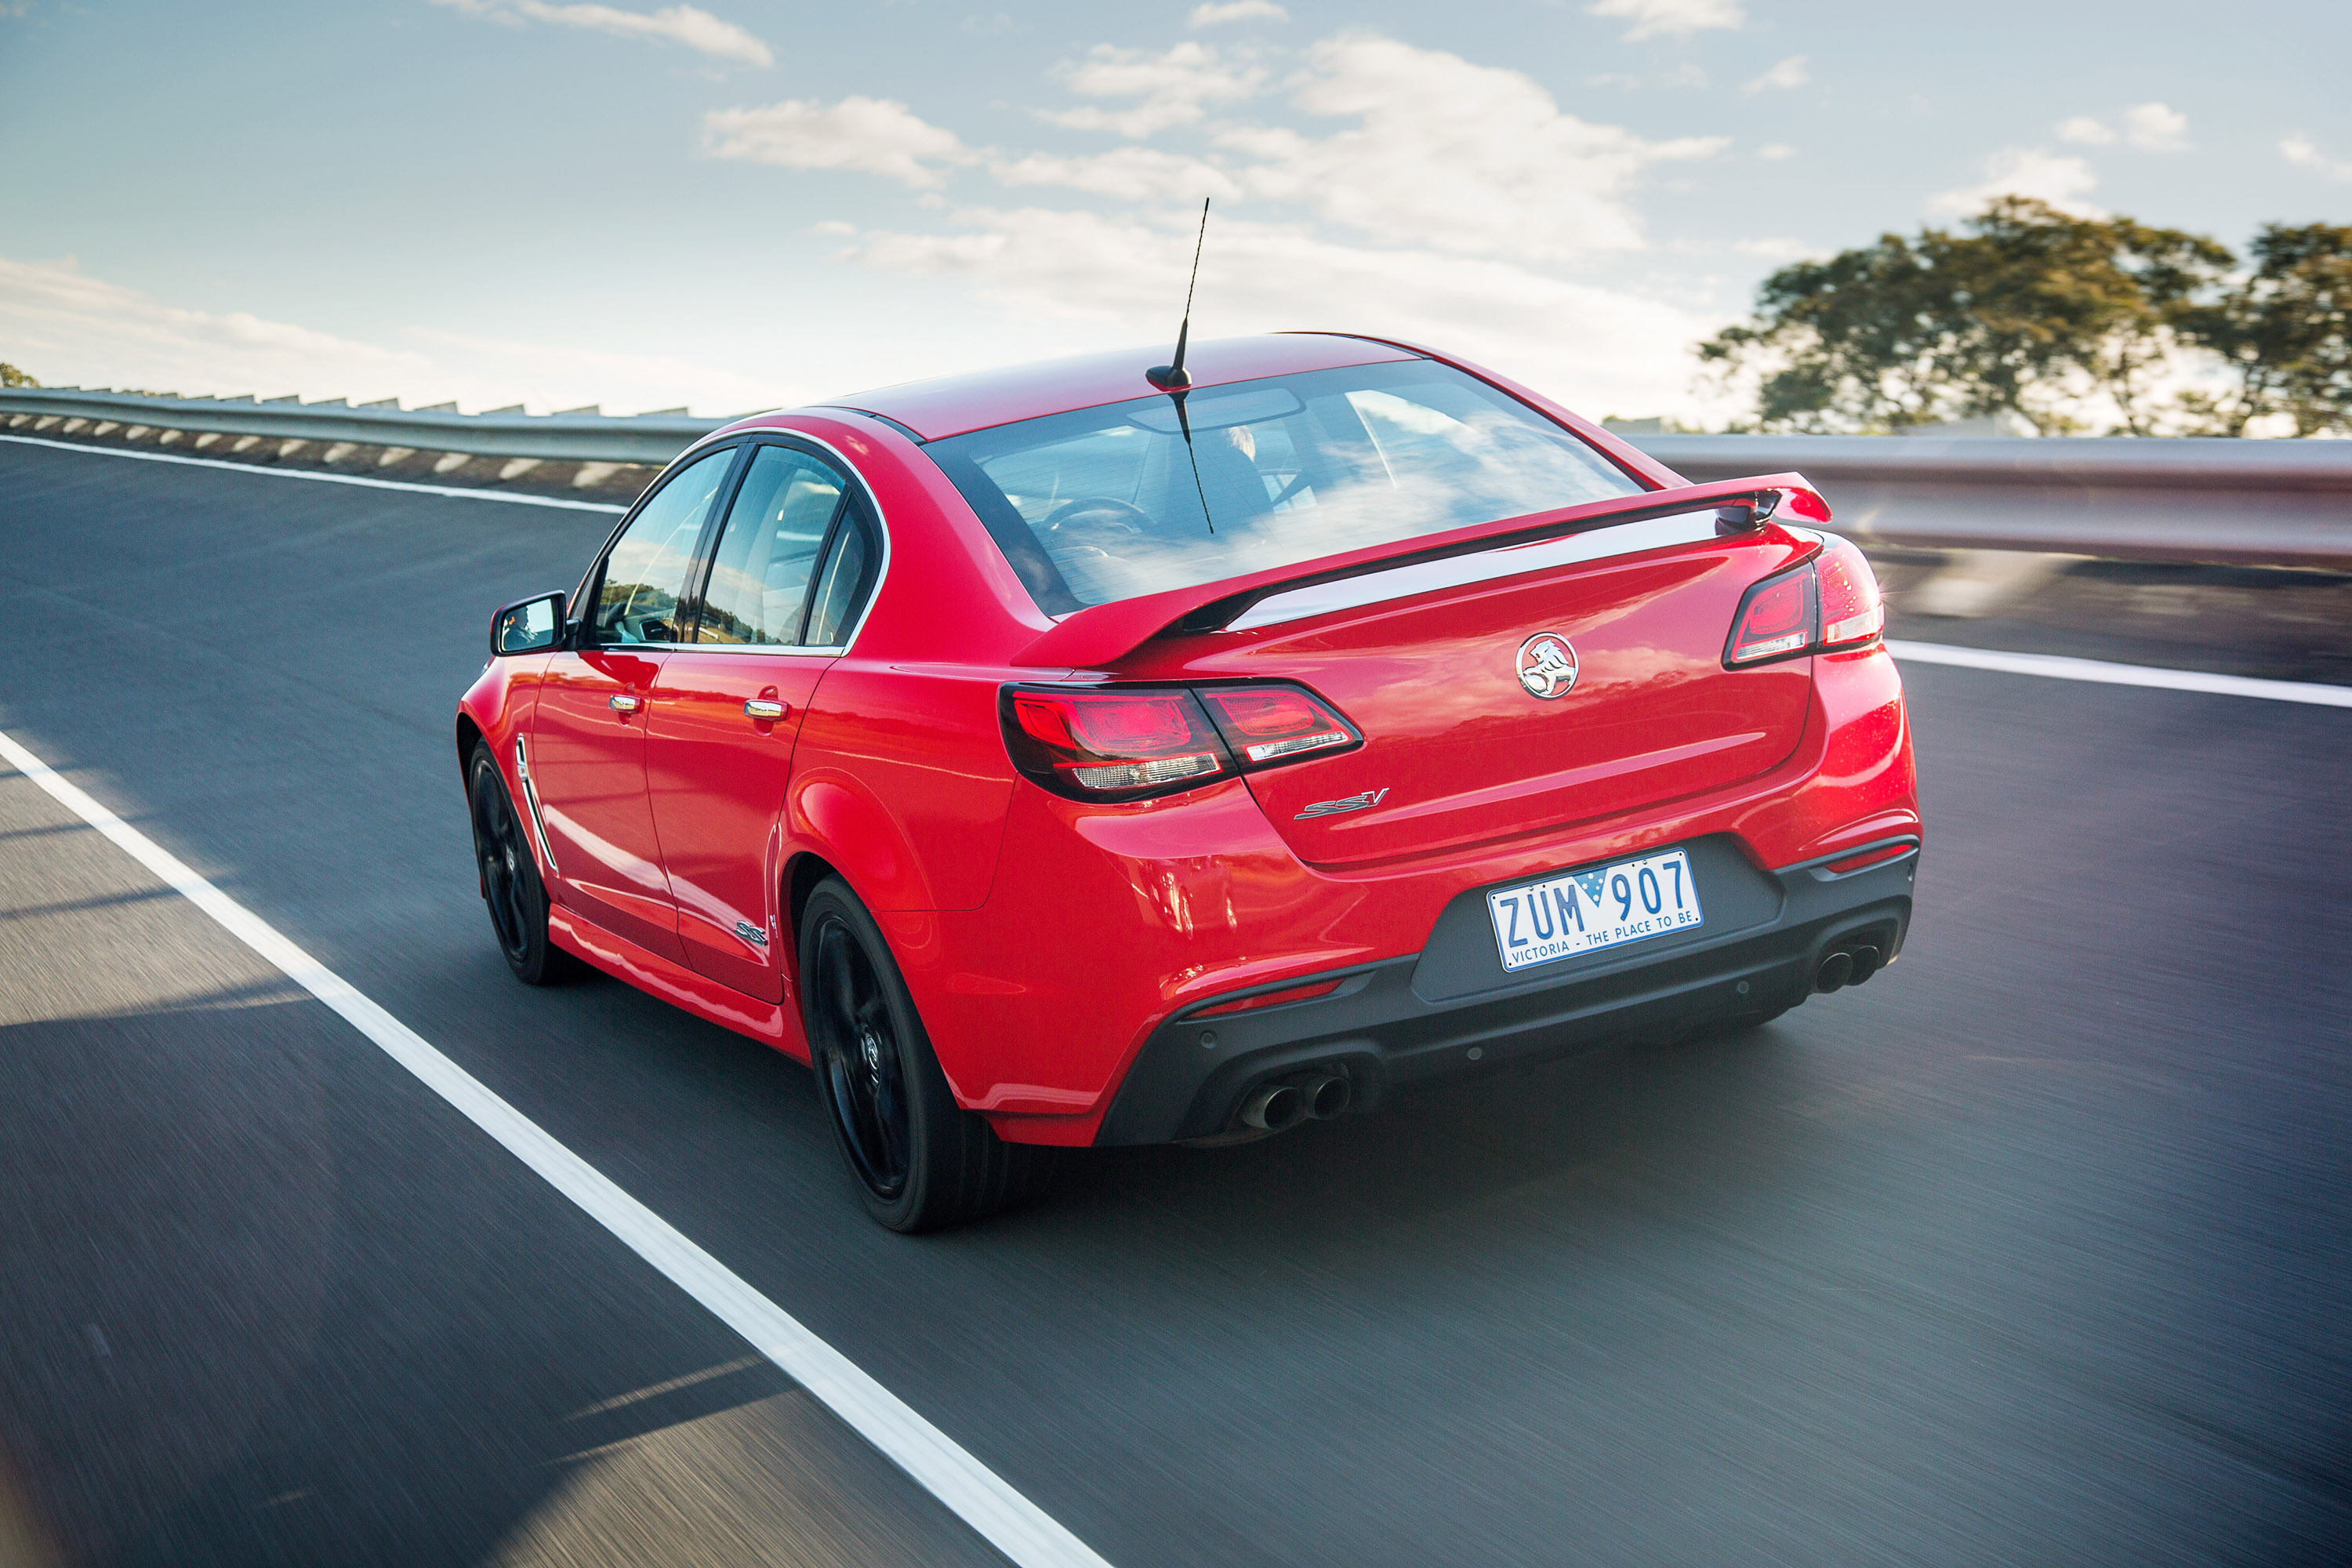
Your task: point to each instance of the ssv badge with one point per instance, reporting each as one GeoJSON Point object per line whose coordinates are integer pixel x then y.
{"type": "Point", "coordinates": [1370, 797]}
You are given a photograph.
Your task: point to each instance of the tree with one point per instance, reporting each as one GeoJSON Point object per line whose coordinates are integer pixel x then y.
{"type": "Point", "coordinates": [2284, 332]}
{"type": "Point", "coordinates": [2031, 311]}
{"type": "Point", "coordinates": [11, 376]}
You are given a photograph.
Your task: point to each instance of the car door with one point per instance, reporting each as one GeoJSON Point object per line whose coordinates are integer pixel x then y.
{"type": "Point", "coordinates": [587, 747]}
{"type": "Point", "coordinates": [792, 566]}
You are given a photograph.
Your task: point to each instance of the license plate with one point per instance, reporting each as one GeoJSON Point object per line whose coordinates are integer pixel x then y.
{"type": "Point", "coordinates": [1538, 922]}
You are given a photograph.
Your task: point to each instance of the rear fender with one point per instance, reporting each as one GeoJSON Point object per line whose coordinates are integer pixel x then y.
{"type": "Point", "coordinates": [836, 816]}
{"type": "Point", "coordinates": [1863, 785]}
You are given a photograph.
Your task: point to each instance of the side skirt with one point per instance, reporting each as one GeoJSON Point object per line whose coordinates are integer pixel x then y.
{"type": "Point", "coordinates": [778, 1026]}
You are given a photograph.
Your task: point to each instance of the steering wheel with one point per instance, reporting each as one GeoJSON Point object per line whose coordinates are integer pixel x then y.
{"type": "Point", "coordinates": [1098, 514]}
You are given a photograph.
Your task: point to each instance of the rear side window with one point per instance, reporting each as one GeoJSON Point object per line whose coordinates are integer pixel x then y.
{"type": "Point", "coordinates": [775, 532]}
{"type": "Point", "coordinates": [849, 578]}
{"type": "Point", "coordinates": [1112, 502]}
{"type": "Point", "coordinates": [645, 574]}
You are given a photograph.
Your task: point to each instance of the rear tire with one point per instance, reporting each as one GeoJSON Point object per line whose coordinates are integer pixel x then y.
{"type": "Point", "coordinates": [510, 885]}
{"type": "Point", "coordinates": [918, 1160]}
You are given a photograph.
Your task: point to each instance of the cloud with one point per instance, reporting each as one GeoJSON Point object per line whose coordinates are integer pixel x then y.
{"type": "Point", "coordinates": [1594, 347]}
{"type": "Point", "coordinates": [1444, 153]}
{"type": "Point", "coordinates": [1135, 174]}
{"type": "Point", "coordinates": [1410, 191]}
{"type": "Point", "coordinates": [689, 26]}
{"type": "Point", "coordinates": [867, 135]}
{"type": "Point", "coordinates": [1675, 19]}
{"type": "Point", "coordinates": [540, 374]}
{"type": "Point", "coordinates": [64, 325]}
{"type": "Point", "coordinates": [2302, 152]}
{"type": "Point", "coordinates": [1210, 15]}
{"type": "Point", "coordinates": [1689, 74]}
{"type": "Point", "coordinates": [2153, 128]}
{"type": "Point", "coordinates": [1788, 73]}
{"type": "Point", "coordinates": [2048, 176]}
{"type": "Point", "coordinates": [1173, 89]}
{"type": "Point", "coordinates": [1772, 152]}
{"type": "Point", "coordinates": [2150, 126]}
{"type": "Point", "coordinates": [68, 327]}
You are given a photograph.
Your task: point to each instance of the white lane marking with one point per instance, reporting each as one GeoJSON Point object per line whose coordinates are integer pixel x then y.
{"type": "Point", "coordinates": [2122, 674]}
{"type": "Point", "coordinates": [977, 1495]}
{"type": "Point", "coordinates": [459, 492]}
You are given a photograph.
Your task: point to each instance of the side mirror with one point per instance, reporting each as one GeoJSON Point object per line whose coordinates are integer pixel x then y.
{"type": "Point", "coordinates": [530, 626]}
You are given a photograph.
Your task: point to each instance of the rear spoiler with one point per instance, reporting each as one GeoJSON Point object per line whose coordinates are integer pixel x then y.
{"type": "Point", "coordinates": [1101, 633]}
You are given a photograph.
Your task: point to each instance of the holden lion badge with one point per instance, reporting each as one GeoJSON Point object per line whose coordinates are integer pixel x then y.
{"type": "Point", "coordinates": [1548, 665]}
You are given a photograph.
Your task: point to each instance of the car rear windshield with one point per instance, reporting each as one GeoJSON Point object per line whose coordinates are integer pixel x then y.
{"type": "Point", "coordinates": [1105, 504]}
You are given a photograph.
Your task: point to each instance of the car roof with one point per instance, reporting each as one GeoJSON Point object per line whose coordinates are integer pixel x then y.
{"type": "Point", "coordinates": [952, 405]}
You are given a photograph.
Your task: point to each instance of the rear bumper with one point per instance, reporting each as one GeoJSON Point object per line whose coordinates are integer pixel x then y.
{"type": "Point", "coordinates": [1450, 1011]}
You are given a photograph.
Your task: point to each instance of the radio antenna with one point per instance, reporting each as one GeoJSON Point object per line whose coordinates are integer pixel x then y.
{"type": "Point", "coordinates": [1176, 380]}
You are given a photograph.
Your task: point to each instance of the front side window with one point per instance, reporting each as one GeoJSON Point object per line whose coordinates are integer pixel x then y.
{"type": "Point", "coordinates": [1112, 502]}
{"type": "Point", "coordinates": [760, 575]}
{"type": "Point", "coordinates": [644, 576]}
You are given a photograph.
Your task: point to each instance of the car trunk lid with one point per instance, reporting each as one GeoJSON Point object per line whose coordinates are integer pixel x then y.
{"type": "Point", "coordinates": [1625, 702]}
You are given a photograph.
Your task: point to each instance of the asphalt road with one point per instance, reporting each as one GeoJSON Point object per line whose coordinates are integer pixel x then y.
{"type": "Point", "coordinates": [2035, 1250]}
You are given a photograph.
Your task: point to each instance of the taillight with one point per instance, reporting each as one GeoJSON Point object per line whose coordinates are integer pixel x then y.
{"type": "Point", "coordinates": [1128, 743]}
{"type": "Point", "coordinates": [1268, 723]}
{"type": "Point", "coordinates": [1776, 619]}
{"type": "Point", "coordinates": [1852, 612]}
{"type": "Point", "coordinates": [1831, 602]}
{"type": "Point", "coordinates": [1118, 744]}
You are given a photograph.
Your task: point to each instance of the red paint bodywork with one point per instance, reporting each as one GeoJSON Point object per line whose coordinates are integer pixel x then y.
{"type": "Point", "coordinates": [1045, 938]}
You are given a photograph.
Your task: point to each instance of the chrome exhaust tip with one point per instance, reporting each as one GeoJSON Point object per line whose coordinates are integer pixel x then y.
{"type": "Point", "coordinates": [1836, 970]}
{"type": "Point", "coordinates": [1327, 1095]}
{"type": "Point", "coordinates": [1275, 1107]}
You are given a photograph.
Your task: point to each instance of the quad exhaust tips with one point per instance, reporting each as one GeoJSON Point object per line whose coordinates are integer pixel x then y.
{"type": "Point", "coordinates": [1848, 966]}
{"type": "Point", "coordinates": [1283, 1104]}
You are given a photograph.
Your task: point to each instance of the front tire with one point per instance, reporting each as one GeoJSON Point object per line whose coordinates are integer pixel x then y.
{"type": "Point", "coordinates": [920, 1161]}
{"type": "Point", "coordinates": [510, 885]}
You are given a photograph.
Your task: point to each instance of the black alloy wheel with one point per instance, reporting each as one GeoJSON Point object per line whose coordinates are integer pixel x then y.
{"type": "Point", "coordinates": [509, 878]}
{"type": "Point", "coordinates": [863, 1081]}
{"type": "Point", "coordinates": [920, 1160]}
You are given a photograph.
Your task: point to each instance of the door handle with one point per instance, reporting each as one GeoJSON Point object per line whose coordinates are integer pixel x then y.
{"type": "Point", "coordinates": [763, 707]}
{"type": "Point", "coordinates": [622, 702]}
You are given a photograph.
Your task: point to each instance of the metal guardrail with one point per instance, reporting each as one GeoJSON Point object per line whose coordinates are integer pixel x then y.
{"type": "Point", "coordinates": [2285, 503]}
{"type": "Point", "coordinates": [652, 438]}
{"type": "Point", "coordinates": [2273, 503]}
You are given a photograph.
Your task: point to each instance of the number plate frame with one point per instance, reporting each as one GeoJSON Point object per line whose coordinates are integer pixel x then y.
{"type": "Point", "coordinates": [1581, 910]}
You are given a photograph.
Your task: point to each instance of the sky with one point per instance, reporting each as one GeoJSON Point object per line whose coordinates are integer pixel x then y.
{"type": "Point", "coordinates": [739, 204]}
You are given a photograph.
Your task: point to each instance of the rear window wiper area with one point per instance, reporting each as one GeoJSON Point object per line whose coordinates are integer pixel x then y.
{"type": "Point", "coordinates": [1096, 636]}
{"type": "Point", "coordinates": [1484, 565]}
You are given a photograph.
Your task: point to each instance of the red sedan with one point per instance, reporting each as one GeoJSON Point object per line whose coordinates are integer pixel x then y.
{"type": "Point", "coordinates": [1064, 756]}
